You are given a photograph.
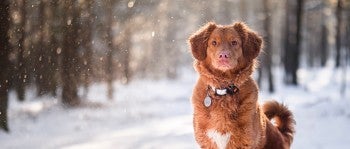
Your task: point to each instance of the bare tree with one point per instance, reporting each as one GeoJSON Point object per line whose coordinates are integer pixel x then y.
{"type": "Point", "coordinates": [21, 61]}
{"type": "Point", "coordinates": [346, 51]}
{"type": "Point", "coordinates": [266, 58]}
{"type": "Point", "coordinates": [324, 45]}
{"type": "Point", "coordinates": [120, 49]}
{"type": "Point", "coordinates": [46, 63]}
{"type": "Point", "coordinates": [87, 18]}
{"type": "Point", "coordinates": [110, 50]}
{"type": "Point", "coordinates": [4, 62]}
{"type": "Point", "coordinates": [292, 40]}
{"type": "Point", "coordinates": [69, 71]}
{"type": "Point", "coordinates": [338, 32]}
{"type": "Point", "coordinates": [42, 54]}
{"type": "Point", "coordinates": [52, 46]}
{"type": "Point", "coordinates": [125, 53]}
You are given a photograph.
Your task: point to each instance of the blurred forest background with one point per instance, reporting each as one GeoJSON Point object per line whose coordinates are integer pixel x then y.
{"type": "Point", "coordinates": [58, 46]}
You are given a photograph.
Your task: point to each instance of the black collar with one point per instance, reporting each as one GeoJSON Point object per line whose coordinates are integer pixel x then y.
{"type": "Point", "coordinates": [231, 90]}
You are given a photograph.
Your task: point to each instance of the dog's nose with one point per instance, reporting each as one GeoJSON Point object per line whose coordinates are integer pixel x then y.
{"type": "Point", "coordinates": [224, 54]}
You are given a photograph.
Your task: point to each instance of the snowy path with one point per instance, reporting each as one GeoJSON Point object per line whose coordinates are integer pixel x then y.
{"type": "Point", "coordinates": [157, 114]}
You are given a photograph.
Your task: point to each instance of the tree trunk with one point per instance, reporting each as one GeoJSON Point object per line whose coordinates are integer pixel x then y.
{"type": "Point", "coordinates": [338, 33]}
{"type": "Point", "coordinates": [298, 42]}
{"type": "Point", "coordinates": [126, 47]}
{"type": "Point", "coordinates": [52, 46]}
{"type": "Point", "coordinates": [287, 44]}
{"type": "Point", "coordinates": [324, 46]}
{"type": "Point", "coordinates": [110, 50]}
{"type": "Point", "coordinates": [4, 62]}
{"type": "Point", "coordinates": [266, 58]}
{"type": "Point", "coordinates": [346, 61]}
{"type": "Point", "coordinates": [46, 62]}
{"type": "Point", "coordinates": [69, 71]}
{"type": "Point", "coordinates": [55, 27]}
{"type": "Point", "coordinates": [293, 40]}
{"type": "Point", "coordinates": [41, 62]}
{"type": "Point", "coordinates": [268, 46]}
{"type": "Point", "coordinates": [21, 63]}
{"type": "Point", "coordinates": [87, 43]}
{"type": "Point", "coordinates": [109, 71]}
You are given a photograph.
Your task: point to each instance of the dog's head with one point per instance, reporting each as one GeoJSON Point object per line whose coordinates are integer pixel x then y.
{"type": "Point", "coordinates": [225, 47]}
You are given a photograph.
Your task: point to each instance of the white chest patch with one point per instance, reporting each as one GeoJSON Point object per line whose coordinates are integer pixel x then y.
{"type": "Point", "coordinates": [221, 140]}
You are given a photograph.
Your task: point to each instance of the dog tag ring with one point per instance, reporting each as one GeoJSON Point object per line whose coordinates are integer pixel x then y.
{"type": "Point", "coordinates": [207, 101]}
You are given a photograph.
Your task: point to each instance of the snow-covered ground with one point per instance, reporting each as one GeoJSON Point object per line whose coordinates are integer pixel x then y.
{"type": "Point", "coordinates": [150, 114]}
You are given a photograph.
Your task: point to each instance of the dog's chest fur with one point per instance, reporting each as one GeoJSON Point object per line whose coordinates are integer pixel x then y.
{"type": "Point", "coordinates": [230, 134]}
{"type": "Point", "coordinates": [222, 128]}
{"type": "Point", "coordinates": [218, 138]}
{"type": "Point", "coordinates": [229, 122]}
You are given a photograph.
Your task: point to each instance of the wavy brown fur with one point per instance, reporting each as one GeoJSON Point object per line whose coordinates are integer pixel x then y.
{"type": "Point", "coordinates": [238, 115]}
{"type": "Point", "coordinates": [283, 118]}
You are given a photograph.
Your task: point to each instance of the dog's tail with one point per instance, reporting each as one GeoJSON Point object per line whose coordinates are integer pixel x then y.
{"type": "Point", "coordinates": [283, 118]}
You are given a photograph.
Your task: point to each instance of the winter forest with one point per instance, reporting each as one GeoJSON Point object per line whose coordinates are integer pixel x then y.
{"type": "Point", "coordinates": [119, 73]}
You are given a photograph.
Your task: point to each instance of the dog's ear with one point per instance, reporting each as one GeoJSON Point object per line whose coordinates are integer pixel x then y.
{"type": "Point", "coordinates": [199, 41]}
{"type": "Point", "coordinates": [251, 41]}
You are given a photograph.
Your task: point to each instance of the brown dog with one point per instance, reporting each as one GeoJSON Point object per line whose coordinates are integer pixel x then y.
{"type": "Point", "coordinates": [226, 111]}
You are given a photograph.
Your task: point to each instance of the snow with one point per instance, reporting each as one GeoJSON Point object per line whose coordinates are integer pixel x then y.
{"type": "Point", "coordinates": [149, 114]}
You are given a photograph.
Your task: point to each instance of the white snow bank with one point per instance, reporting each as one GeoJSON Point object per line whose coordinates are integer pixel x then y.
{"type": "Point", "coordinates": [150, 114]}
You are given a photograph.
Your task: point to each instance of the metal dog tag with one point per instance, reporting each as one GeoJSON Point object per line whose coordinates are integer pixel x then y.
{"type": "Point", "coordinates": [207, 101]}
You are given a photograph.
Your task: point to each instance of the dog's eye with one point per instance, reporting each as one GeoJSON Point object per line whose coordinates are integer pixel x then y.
{"type": "Point", "coordinates": [233, 43]}
{"type": "Point", "coordinates": [214, 43]}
